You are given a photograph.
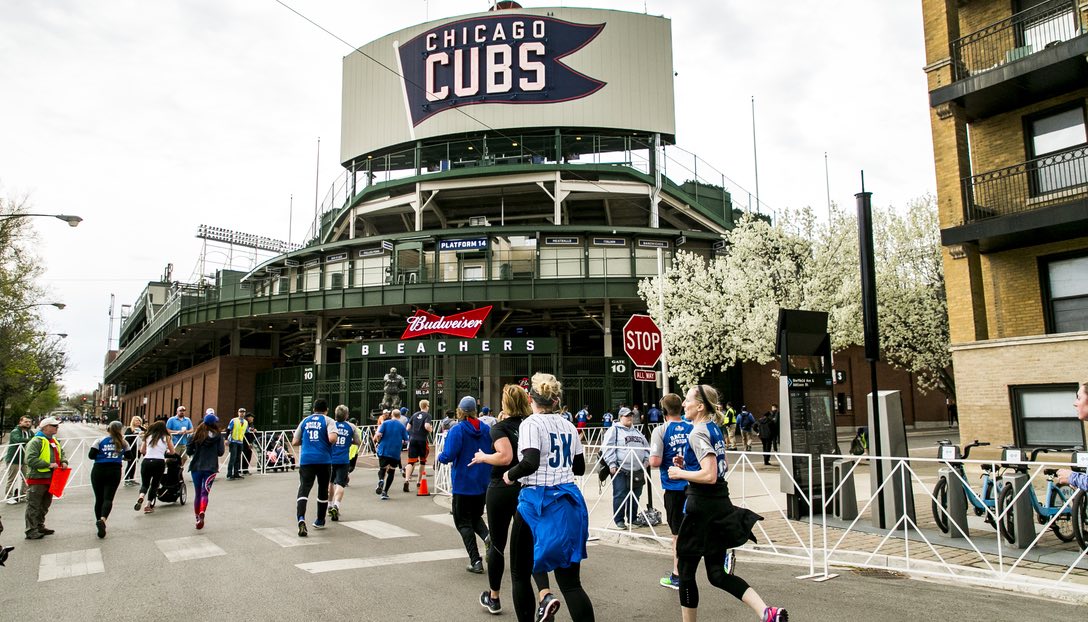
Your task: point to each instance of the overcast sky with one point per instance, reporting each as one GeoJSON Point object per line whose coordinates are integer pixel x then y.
{"type": "Point", "coordinates": [150, 118]}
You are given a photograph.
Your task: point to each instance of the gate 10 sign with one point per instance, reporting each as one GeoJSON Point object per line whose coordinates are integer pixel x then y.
{"type": "Point", "coordinates": [642, 340]}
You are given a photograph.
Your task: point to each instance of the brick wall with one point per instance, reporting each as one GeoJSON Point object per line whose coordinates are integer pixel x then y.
{"type": "Point", "coordinates": [986, 370]}
{"type": "Point", "coordinates": [760, 390]}
{"type": "Point", "coordinates": [224, 383]}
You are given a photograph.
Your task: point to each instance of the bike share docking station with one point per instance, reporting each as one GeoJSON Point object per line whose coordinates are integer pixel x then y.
{"type": "Point", "coordinates": [898, 491]}
{"type": "Point", "coordinates": [956, 495]}
{"type": "Point", "coordinates": [1022, 530]}
{"type": "Point", "coordinates": [807, 421]}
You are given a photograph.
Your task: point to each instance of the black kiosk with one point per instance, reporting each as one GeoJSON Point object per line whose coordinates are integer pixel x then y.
{"type": "Point", "coordinates": [807, 420]}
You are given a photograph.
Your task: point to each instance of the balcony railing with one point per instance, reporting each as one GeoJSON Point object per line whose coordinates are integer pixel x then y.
{"type": "Point", "coordinates": [1043, 182]}
{"type": "Point", "coordinates": [1016, 37]}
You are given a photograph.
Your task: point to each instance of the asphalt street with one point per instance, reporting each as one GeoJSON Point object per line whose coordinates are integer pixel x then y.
{"type": "Point", "coordinates": [391, 560]}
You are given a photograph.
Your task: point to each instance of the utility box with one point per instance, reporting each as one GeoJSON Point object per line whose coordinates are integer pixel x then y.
{"type": "Point", "coordinates": [898, 492]}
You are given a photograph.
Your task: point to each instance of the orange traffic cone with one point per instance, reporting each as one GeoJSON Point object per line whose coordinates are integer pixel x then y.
{"type": "Point", "coordinates": [422, 491]}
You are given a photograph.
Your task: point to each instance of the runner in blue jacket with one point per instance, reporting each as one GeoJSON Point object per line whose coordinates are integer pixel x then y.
{"type": "Point", "coordinates": [469, 481]}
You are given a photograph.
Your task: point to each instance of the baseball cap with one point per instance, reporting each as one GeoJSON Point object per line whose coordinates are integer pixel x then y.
{"type": "Point", "coordinates": [210, 418]}
{"type": "Point", "coordinates": [467, 404]}
{"type": "Point", "coordinates": [49, 421]}
{"type": "Point", "coordinates": [403, 410]}
{"type": "Point", "coordinates": [210, 411]}
{"type": "Point", "coordinates": [485, 410]}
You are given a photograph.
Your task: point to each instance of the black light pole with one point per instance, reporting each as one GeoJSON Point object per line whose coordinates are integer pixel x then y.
{"type": "Point", "coordinates": [872, 332]}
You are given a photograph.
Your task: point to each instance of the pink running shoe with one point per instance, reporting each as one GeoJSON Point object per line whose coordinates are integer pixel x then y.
{"type": "Point", "coordinates": [775, 614]}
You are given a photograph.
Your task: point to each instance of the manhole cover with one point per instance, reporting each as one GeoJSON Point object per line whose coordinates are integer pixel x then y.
{"type": "Point", "coordinates": [877, 573]}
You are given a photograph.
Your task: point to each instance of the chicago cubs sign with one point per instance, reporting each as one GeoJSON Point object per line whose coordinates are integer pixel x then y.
{"type": "Point", "coordinates": [508, 59]}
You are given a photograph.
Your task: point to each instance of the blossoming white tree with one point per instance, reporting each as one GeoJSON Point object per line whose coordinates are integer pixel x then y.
{"type": "Point", "coordinates": [724, 310]}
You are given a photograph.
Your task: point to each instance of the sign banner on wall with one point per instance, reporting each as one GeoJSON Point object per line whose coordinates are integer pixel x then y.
{"type": "Point", "coordinates": [494, 59]}
{"type": "Point", "coordinates": [465, 324]}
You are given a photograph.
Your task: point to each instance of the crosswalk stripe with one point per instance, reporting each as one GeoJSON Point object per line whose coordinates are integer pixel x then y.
{"type": "Point", "coordinates": [385, 560]}
{"type": "Point", "coordinates": [379, 529]}
{"type": "Point", "coordinates": [286, 537]}
{"type": "Point", "coordinates": [70, 564]}
{"type": "Point", "coordinates": [186, 549]}
{"type": "Point", "coordinates": [441, 519]}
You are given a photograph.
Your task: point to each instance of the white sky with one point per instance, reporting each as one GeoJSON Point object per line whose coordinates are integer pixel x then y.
{"type": "Point", "coordinates": [150, 118]}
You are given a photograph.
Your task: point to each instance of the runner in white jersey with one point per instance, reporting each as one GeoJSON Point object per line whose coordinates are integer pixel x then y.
{"type": "Point", "coordinates": [552, 523]}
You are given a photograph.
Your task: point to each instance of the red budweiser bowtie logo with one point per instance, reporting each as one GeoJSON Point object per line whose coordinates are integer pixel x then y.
{"type": "Point", "coordinates": [465, 324]}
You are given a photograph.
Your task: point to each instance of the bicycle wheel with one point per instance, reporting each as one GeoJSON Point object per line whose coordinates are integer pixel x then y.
{"type": "Point", "coordinates": [1007, 524]}
{"type": "Point", "coordinates": [1063, 525]}
{"type": "Point", "coordinates": [940, 504]}
{"type": "Point", "coordinates": [1080, 519]}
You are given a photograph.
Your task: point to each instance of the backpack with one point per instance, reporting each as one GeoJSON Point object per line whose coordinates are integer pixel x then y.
{"type": "Point", "coordinates": [857, 448]}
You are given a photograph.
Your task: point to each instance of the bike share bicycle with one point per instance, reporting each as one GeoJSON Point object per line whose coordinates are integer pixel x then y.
{"type": "Point", "coordinates": [1080, 503]}
{"type": "Point", "coordinates": [984, 502]}
{"type": "Point", "coordinates": [1056, 510]}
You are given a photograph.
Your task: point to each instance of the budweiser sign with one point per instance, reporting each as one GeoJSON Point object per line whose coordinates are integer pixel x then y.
{"type": "Point", "coordinates": [465, 324]}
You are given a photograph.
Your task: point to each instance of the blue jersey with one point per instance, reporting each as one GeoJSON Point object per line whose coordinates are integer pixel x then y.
{"type": "Point", "coordinates": [394, 435]}
{"type": "Point", "coordinates": [704, 439]}
{"type": "Point", "coordinates": [345, 434]}
{"type": "Point", "coordinates": [314, 432]}
{"type": "Point", "coordinates": [674, 442]}
{"type": "Point", "coordinates": [107, 451]}
{"type": "Point", "coordinates": [182, 427]}
{"type": "Point", "coordinates": [582, 416]}
{"type": "Point", "coordinates": [606, 420]}
{"type": "Point", "coordinates": [654, 415]}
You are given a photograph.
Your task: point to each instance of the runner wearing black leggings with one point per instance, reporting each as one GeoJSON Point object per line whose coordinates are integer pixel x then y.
{"type": "Point", "coordinates": [502, 498]}
{"type": "Point", "coordinates": [106, 473]}
{"type": "Point", "coordinates": [154, 446]}
{"type": "Point", "coordinates": [712, 524]}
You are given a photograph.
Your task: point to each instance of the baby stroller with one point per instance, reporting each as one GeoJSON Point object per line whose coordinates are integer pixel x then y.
{"type": "Point", "coordinates": [173, 482]}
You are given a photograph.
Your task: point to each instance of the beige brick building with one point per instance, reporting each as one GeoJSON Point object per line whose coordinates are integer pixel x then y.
{"type": "Point", "coordinates": [1008, 87]}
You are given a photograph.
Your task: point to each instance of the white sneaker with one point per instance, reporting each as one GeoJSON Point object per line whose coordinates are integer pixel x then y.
{"type": "Point", "coordinates": [12, 501]}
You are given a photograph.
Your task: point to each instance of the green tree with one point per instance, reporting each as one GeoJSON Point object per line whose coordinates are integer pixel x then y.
{"type": "Point", "coordinates": [30, 361]}
{"type": "Point", "coordinates": [725, 310]}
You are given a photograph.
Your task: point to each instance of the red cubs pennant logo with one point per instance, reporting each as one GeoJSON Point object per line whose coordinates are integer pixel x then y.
{"type": "Point", "coordinates": [465, 324]}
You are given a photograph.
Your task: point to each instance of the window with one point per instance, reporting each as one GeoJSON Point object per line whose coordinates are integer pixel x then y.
{"type": "Point", "coordinates": [283, 285]}
{"type": "Point", "coordinates": [473, 272]}
{"type": "Point", "coordinates": [1043, 416]}
{"type": "Point", "coordinates": [1066, 290]}
{"type": "Point", "coordinates": [560, 261]}
{"type": "Point", "coordinates": [646, 261]}
{"type": "Point", "coordinates": [370, 271]}
{"type": "Point", "coordinates": [1051, 136]}
{"type": "Point", "coordinates": [609, 261]}
{"type": "Point", "coordinates": [1045, 23]}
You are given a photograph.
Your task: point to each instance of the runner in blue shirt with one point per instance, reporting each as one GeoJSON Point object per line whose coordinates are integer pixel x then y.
{"type": "Point", "coordinates": [180, 426]}
{"type": "Point", "coordinates": [106, 473]}
{"type": "Point", "coordinates": [606, 420]}
{"type": "Point", "coordinates": [667, 445]}
{"type": "Point", "coordinates": [347, 435]}
{"type": "Point", "coordinates": [390, 438]}
{"type": "Point", "coordinates": [316, 435]}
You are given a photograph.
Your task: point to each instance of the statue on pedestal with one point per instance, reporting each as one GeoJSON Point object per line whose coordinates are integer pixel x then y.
{"type": "Point", "coordinates": [394, 384]}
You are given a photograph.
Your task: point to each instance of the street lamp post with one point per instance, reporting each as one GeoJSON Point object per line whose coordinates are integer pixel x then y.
{"type": "Point", "coordinates": [59, 305]}
{"type": "Point", "coordinates": [73, 221]}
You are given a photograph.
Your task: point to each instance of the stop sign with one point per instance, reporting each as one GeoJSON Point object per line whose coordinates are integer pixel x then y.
{"type": "Point", "coordinates": [642, 340]}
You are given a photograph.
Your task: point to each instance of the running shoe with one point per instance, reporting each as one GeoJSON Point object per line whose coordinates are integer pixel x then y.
{"type": "Point", "coordinates": [334, 513]}
{"type": "Point", "coordinates": [378, 490]}
{"type": "Point", "coordinates": [549, 606]}
{"type": "Point", "coordinates": [319, 524]}
{"type": "Point", "coordinates": [385, 497]}
{"type": "Point", "coordinates": [621, 525]}
{"type": "Point", "coordinates": [730, 562]}
{"type": "Point", "coordinates": [302, 528]}
{"type": "Point", "coordinates": [101, 524]}
{"type": "Point", "coordinates": [672, 581]}
{"type": "Point", "coordinates": [476, 567]}
{"type": "Point", "coordinates": [491, 604]}
{"type": "Point", "coordinates": [775, 614]}
{"type": "Point", "coordinates": [200, 521]}
{"type": "Point", "coordinates": [139, 503]}
{"type": "Point", "coordinates": [405, 486]}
